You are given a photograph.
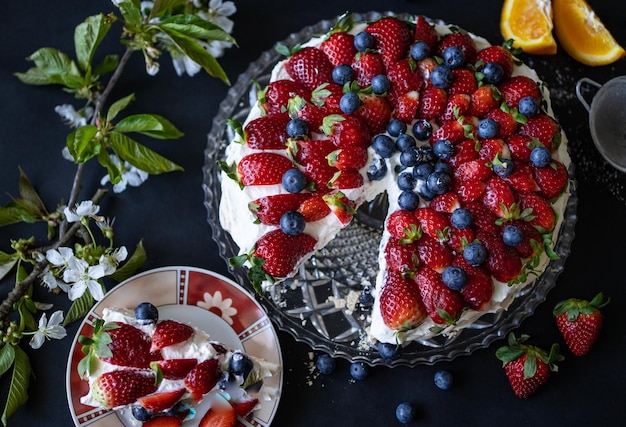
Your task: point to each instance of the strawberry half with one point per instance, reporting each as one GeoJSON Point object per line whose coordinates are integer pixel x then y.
{"type": "Point", "coordinates": [221, 414]}
{"type": "Point", "coordinates": [129, 347]}
{"type": "Point", "coordinates": [162, 421]}
{"type": "Point", "coordinates": [169, 332]}
{"type": "Point", "coordinates": [202, 378]}
{"type": "Point", "coordinates": [176, 369]}
{"type": "Point", "coordinates": [160, 401]}
{"type": "Point", "coordinates": [122, 387]}
{"type": "Point", "coordinates": [580, 322]}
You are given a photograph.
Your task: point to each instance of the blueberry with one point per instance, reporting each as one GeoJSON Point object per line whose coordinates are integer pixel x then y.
{"type": "Point", "coordinates": [461, 218]}
{"type": "Point", "coordinates": [380, 84]}
{"type": "Point", "coordinates": [364, 41]}
{"type": "Point", "coordinates": [180, 410]}
{"type": "Point", "coordinates": [453, 57]}
{"type": "Point", "coordinates": [342, 74]}
{"type": "Point", "coordinates": [405, 141]}
{"type": "Point", "coordinates": [389, 351]}
{"type": "Point", "coordinates": [325, 364]}
{"type": "Point", "coordinates": [410, 156]}
{"type": "Point", "coordinates": [428, 154]}
{"type": "Point", "coordinates": [377, 169]}
{"type": "Point", "coordinates": [503, 167]}
{"type": "Point", "coordinates": [493, 73]}
{"type": "Point", "coordinates": [405, 413]}
{"type": "Point", "coordinates": [406, 181]}
{"type": "Point", "coordinates": [366, 299]}
{"type": "Point", "coordinates": [441, 77]}
{"type": "Point", "coordinates": [443, 167]}
{"type": "Point", "coordinates": [297, 128]}
{"type": "Point", "coordinates": [140, 413]}
{"type": "Point", "coordinates": [383, 145]}
{"type": "Point", "coordinates": [487, 128]}
{"type": "Point", "coordinates": [349, 102]}
{"type": "Point", "coordinates": [540, 156]}
{"type": "Point", "coordinates": [422, 189]}
{"type": "Point", "coordinates": [443, 379]}
{"type": "Point", "coordinates": [439, 182]}
{"type": "Point", "coordinates": [454, 277]}
{"type": "Point", "coordinates": [512, 235]}
{"type": "Point", "coordinates": [240, 364]}
{"type": "Point", "coordinates": [443, 149]}
{"type": "Point", "coordinates": [146, 313]}
{"type": "Point", "coordinates": [475, 254]}
{"type": "Point", "coordinates": [294, 180]}
{"type": "Point", "coordinates": [420, 50]}
{"type": "Point", "coordinates": [528, 106]}
{"type": "Point", "coordinates": [359, 371]}
{"type": "Point", "coordinates": [422, 129]}
{"type": "Point", "coordinates": [408, 200]}
{"type": "Point", "coordinates": [395, 127]}
{"type": "Point", "coordinates": [292, 223]}
{"type": "Point", "coordinates": [422, 170]}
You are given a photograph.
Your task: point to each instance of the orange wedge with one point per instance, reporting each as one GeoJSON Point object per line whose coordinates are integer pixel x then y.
{"type": "Point", "coordinates": [582, 35]}
{"type": "Point", "coordinates": [529, 24]}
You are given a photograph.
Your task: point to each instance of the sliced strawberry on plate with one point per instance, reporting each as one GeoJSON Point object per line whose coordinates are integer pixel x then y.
{"type": "Point", "coordinates": [176, 369]}
{"type": "Point", "coordinates": [244, 407]}
{"type": "Point", "coordinates": [129, 346]}
{"type": "Point", "coordinates": [122, 387]}
{"type": "Point", "coordinates": [162, 421]}
{"type": "Point", "coordinates": [160, 401]}
{"type": "Point", "coordinates": [169, 332]}
{"type": "Point", "coordinates": [221, 414]}
{"type": "Point", "coordinates": [202, 378]}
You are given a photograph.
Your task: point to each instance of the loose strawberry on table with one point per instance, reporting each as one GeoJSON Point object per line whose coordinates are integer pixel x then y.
{"type": "Point", "coordinates": [580, 322]}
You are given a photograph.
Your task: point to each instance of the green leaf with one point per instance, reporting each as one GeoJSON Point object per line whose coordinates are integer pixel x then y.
{"type": "Point", "coordinates": [79, 308]}
{"type": "Point", "coordinates": [119, 105]}
{"type": "Point", "coordinates": [87, 38]}
{"type": "Point", "coordinates": [18, 394]}
{"type": "Point", "coordinates": [151, 125]}
{"type": "Point", "coordinates": [115, 174]}
{"type": "Point", "coordinates": [13, 213]}
{"type": "Point", "coordinates": [52, 67]}
{"type": "Point", "coordinates": [7, 356]}
{"type": "Point", "coordinates": [140, 156]}
{"type": "Point", "coordinates": [27, 191]}
{"type": "Point", "coordinates": [108, 64]}
{"type": "Point", "coordinates": [197, 53]}
{"type": "Point", "coordinates": [7, 262]}
{"type": "Point", "coordinates": [131, 265]}
{"type": "Point", "coordinates": [195, 27]}
{"type": "Point", "coordinates": [163, 6]}
{"type": "Point", "coordinates": [81, 143]}
{"type": "Point", "coordinates": [131, 13]}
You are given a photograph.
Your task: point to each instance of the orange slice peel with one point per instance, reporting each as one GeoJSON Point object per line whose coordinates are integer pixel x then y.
{"type": "Point", "coordinates": [529, 24]}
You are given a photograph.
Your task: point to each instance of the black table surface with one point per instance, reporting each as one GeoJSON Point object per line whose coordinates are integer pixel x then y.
{"type": "Point", "coordinates": [169, 214]}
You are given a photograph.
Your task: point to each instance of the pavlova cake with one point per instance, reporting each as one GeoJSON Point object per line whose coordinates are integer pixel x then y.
{"type": "Point", "coordinates": [458, 134]}
{"type": "Point", "coordinates": [162, 372]}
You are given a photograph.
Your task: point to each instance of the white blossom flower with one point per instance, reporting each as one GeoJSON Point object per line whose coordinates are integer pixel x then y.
{"type": "Point", "coordinates": [73, 118]}
{"type": "Point", "coordinates": [82, 276]}
{"type": "Point", "coordinates": [222, 307]}
{"type": "Point", "coordinates": [52, 329]}
{"type": "Point", "coordinates": [184, 64]}
{"type": "Point", "coordinates": [112, 260]}
{"type": "Point", "coordinates": [81, 210]}
{"type": "Point", "coordinates": [130, 175]}
{"type": "Point", "coordinates": [217, 13]}
{"type": "Point", "coordinates": [52, 282]}
{"type": "Point", "coordinates": [59, 257]}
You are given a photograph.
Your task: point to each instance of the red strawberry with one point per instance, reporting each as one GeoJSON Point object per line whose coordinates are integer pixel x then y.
{"type": "Point", "coordinates": [426, 32]}
{"type": "Point", "coordinates": [484, 99]}
{"type": "Point", "coordinates": [433, 102]}
{"type": "Point", "coordinates": [339, 47]}
{"type": "Point", "coordinates": [518, 87]}
{"type": "Point", "coordinates": [244, 407]}
{"type": "Point", "coordinates": [309, 66]}
{"type": "Point", "coordinates": [403, 78]}
{"type": "Point", "coordinates": [460, 237]}
{"type": "Point", "coordinates": [469, 189]}
{"type": "Point", "coordinates": [457, 105]}
{"type": "Point", "coordinates": [433, 253]}
{"type": "Point", "coordinates": [426, 67]}
{"type": "Point", "coordinates": [461, 39]}
{"type": "Point", "coordinates": [262, 168]}
{"type": "Point", "coordinates": [340, 206]}
{"type": "Point", "coordinates": [400, 302]}
{"type": "Point", "coordinates": [493, 147]}
{"type": "Point", "coordinates": [162, 421]}
{"type": "Point", "coordinates": [433, 223]}
{"type": "Point", "coordinates": [473, 170]}
{"type": "Point", "coordinates": [169, 332]}
{"type": "Point", "coordinates": [532, 241]}
{"type": "Point", "coordinates": [351, 157]}
{"type": "Point", "coordinates": [544, 128]}
{"type": "Point", "coordinates": [507, 120]}
{"type": "Point", "coordinates": [521, 179]}
{"type": "Point", "coordinates": [129, 346]}
{"type": "Point", "coordinates": [305, 110]}
{"type": "Point", "coordinates": [281, 252]}
{"type": "Point", "coordinates": [447, 202]}
{"type": "Point", "coordinates": [478, 289]}
{"type": "Point", "coordinates": [160, 401]}
{"type": "Point", "coordinates": [444, 306]}
{"type": "Point", "coordinates": [314, 208]}
{"type": "Point", "coordinates": [401, 257]}
{"type": "Point", "coordinates": [402, 224]}
{"type": "Point", "coordinates": [346, 179]}
{"type": "Point", "coordinates": [175, 369]}
{"type": "Point", "coordinates": [407, 106]}
{"type": "Point", "coordinates": [502, 261]}
{"type": "Point", "coordinates": [221, 414]}
{"type": "Point", "coordinates": [484, 219]}
{"type": "Point", "coordinates": [345, 130]}
{"type": "Point", "coordinates": [117, 388]}
{"type": "Point", "coordinates": [327, 97]}
{"type": "Point", "coordinates": [464, 81]}
{"type": "Point", "coordinates": [393, 38]}
{"type": "Point", "coordinates": [303, 151]}
{"type": "Point", "coordinates": [580, 322]}
{"type": "Point", "coordinates": [521, 146]}
{"type": "Point", "coordinates": [202, 378]}
{"type": "Point", "coordinates": [319, 172]}
{"type": "Point", "coordinates": [464, 151]}
{"type": "Point", "coordinates": [267, 132]}
{"type": "Point", "coordinates": [499, 198]}
{"type": "Point", "coordinates": [366, 66]}
{"type": "Point", "coordinates": [269, 209]}
{"type": "Point", "coordinates": [276, 94]}
{"type": "Point", "coordinates": [527, 367]}
{"type": "Point", "coordinates": [541, 211]}
{"type": "Point", "coordinates": [552, 179]}
{"type": "Point", "coordinates": [499, 54]}
{"type": "Point", "coordinates": [375, 112]}
{"type": "Point", "coordinates": [454, 131]}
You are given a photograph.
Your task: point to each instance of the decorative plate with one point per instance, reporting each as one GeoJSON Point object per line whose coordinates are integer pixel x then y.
{"type": "Point", "coordinates": [202, 298]}
{"type": "Point", "coordinates": [306, 307]}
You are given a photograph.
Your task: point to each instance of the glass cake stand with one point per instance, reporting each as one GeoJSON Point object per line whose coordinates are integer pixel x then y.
{"type": "Point", "coordinates": [309, 306]}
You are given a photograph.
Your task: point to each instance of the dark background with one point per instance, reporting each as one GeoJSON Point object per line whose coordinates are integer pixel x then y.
{"type": "Point", "coordinates": [169, 214]}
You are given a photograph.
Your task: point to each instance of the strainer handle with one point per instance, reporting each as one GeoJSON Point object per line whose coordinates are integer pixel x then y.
{"type": "Point", "coordinates": [580, 96]}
